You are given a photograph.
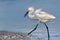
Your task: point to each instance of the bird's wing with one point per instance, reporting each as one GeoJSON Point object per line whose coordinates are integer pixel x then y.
{"type": "Point", "coordinates": [44, 16]}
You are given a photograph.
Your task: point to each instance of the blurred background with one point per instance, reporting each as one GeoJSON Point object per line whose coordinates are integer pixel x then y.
{"type": "Point", "coordinates": [12, 17]}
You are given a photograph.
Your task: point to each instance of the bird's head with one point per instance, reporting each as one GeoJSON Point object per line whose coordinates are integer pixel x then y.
{"type": "Point", "coordinates": [29, 10]}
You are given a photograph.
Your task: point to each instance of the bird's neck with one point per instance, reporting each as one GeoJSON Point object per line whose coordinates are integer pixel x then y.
{"type": "Point", "coordinates": [31, 14]}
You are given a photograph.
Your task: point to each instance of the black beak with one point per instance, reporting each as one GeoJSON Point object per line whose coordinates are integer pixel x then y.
{"type": "Point", "coordinates": [26, 13]}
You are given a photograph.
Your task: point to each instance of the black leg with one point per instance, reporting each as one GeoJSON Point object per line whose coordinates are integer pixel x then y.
{"type": "Point", "coordinates": [47, 31]}
{"type": "Point", "coordinates": [33, 29]}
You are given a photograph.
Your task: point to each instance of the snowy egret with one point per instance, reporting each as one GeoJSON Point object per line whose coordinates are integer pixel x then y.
{"type": "Point", "coordinates": [41, 16]}
{"type": "Point", "coordinates": [5, 35]}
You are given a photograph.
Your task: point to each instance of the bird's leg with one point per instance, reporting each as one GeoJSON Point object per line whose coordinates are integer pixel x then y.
{"type": "Point", "coordinates": [47, 31]}
{"type": "Point", "coordinates": [33, 29]}
{"type": "Point", "coordinates": [25, 35]}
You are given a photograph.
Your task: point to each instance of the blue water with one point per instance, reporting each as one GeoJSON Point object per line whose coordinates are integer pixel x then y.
{"type": "Point", "coordinates": [12, 18]}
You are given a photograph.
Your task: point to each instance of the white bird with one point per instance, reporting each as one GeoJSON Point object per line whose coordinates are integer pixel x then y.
{"type": "Point", "coordinates": [40, 16]}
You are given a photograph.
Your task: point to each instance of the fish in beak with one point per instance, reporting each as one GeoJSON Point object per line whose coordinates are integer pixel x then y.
{"type": "Point", "coordinates": [26, 13]}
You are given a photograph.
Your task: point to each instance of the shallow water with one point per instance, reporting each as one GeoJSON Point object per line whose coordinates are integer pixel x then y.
{"type": "Point", "coordinates": [12, 18]}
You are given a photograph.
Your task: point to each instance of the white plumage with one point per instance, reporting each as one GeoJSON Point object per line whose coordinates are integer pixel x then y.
{"type": "Point", "coordinates": [43, 16]}
{"type": "Point", "coordinates": [40, 16]}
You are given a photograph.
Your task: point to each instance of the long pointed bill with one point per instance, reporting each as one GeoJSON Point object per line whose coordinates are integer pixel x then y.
{"type": "Point", "coordinates": [26, 14]}
{"type": "Point", "coordinates": [47, 31]}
